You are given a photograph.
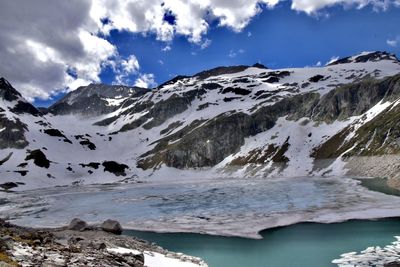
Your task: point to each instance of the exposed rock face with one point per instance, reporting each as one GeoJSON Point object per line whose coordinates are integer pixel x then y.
{"type": "Point", "coordinates": [13, 134]}
{"type": "Point", "coordinates": [10, 94]}
{"type": "Point", "coordinates": [164, 110]}
{"type": "Point", "coordinates": [7, 92]}
{"type": "Point", "coordinates": [12, 129]}
{"type": "Point", "coordinates": [111, 226]}
{"type": "Point", "coordinates": [356, 99]}
{"type": "Point", "coordinates": [208, 145]}
{"type": "Point", "coordinates": [94, 99]}
{"type": "Point", "coordinates": [378, 136]}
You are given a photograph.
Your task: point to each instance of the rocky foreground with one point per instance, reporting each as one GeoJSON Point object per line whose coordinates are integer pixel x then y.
{"type": "Point", "coordinates": [80, 244]}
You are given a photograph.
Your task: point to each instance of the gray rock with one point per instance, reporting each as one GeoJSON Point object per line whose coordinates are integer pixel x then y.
{"type": "Point", "coordinates": [392, 264]}
{"type": "Point", "coordinates": [100, 246]}
{"type": "Point", "coordinates": [111, 226]}
{"type": "Point", "coordinates": [77, 225]}
{"type": "Point", "coordinates": [139, 257]}
{"type": "Point", "coordinates": [5, 242]}
{"type": "Point", "coordinates": [91, 100]}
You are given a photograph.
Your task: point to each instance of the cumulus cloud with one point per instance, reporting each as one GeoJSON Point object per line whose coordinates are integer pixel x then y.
{"type": "Point", "coordinates": [146, 80]}
{"type": "Point", "coordinates": [190, 17]}
{"type": "Point", "coordinates": [124, 69]}
{"type": "Point", "coordinates": [393, 42]}
{"type": "Point", "coordinates": [48, 46]}
{"type": "Point", "coordinates": [166, 48]}
{"type": "Point", "coordinates": [58, 38]}
{"type": "Point", "coordinates": [313, 6]}
{"type": "Point", "coordinates": [205, 44]}
{"type": "Point", "coordinates": [42, 40]}
{"type": "Point", "coordinates": [234, 53]}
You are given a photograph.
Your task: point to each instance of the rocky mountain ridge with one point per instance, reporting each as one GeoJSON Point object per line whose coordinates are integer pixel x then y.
{"type": "Point", "coordinates": [229, 121]}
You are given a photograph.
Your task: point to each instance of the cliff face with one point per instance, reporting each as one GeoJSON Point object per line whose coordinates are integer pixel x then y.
{"type": "Point", "coordinates": [240, 121]}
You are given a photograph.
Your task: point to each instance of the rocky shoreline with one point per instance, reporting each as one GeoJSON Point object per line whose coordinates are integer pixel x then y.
{"type": "Point", "coordinates": [80, 244]}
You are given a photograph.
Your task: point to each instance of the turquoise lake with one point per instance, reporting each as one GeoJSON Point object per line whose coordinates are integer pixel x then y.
{"type": "Point", "coordinates": [300, 245]}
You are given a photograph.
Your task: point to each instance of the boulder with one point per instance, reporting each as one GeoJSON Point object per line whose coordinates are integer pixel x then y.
{"type": "Point", "coordinates": [111, 226]}
{"type": "Point", "coordinates": [77, 225]}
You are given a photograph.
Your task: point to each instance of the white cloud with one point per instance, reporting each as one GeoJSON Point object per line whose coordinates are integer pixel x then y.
{"type": "Point", "coordinates": [205, 44]}
{"type": "Point", "coordinates": [124, 68]}
{"type": "Point", "coordinates": [232, 54]}
{"type": "Point", "coordinates": [192, 17]}
{"type": "Point", "coordinates": [393, 42]}
{"type": "Point", "coordinates": [313, 6]}
{"type": "Point", "coordinates": [318, 64]}
{"type": "Point", "coordinates": [146, 80]}
{"type": "Point", "coordinates": [166, 48]}
{"type": "Point", "coordinates": [54, 37]}
{"type": "Point", "coordinates": [160, 62]}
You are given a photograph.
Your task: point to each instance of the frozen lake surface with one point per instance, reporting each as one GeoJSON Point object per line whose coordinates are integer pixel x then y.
{"type": "Point", "coordinates": [228, 207]}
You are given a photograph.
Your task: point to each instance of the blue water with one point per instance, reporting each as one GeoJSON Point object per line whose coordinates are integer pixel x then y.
{"type": "Point", "coordinates": [300, 245]}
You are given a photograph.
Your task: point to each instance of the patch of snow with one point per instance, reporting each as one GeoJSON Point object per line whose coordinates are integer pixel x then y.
{"type": "Point", "coordinates": [123, 251]}
{"type": "Point", "coordinates": [115, 101]}
{"type": "Point", "coordinates": [155, 259]}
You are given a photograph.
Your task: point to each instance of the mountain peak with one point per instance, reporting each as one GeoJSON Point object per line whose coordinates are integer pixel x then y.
{"type": "Point", "coordinates": [95, 99]}
{"type": "Point", "coordinates": [260, 66]}
{"type": "Point", "coordinates": [363, 57]}
{"type": "Point", "coordinates": [220, 71]}
{"type": "Point", "coordinates": [8, 92]}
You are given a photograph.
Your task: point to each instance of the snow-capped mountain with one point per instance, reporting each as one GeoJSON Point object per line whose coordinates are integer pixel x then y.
{"type": "Point", "coordinates": [229, 121]}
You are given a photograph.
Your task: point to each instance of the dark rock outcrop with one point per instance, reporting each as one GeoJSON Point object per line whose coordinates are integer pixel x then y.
{"type": "Point", "coordinates": [7, 92]}
{"type": "Point", "coordinates": [115, 167]}
{"type": "Point", "coordinates": [39, 158]}
{"type": "Point", "coordinates": [13, 133]}
{"type": "Point", "coordinates": [111, 226]}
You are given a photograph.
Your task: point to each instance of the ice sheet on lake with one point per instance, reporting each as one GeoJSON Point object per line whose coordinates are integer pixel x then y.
{"type": "Point", "coordinates": [223, 207]}
{"type": "Point", "coordinates": [372, 256]}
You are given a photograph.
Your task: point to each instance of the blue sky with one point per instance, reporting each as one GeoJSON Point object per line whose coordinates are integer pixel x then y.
{"type": "Point", "coordinates": [181, 38]}
{"type": "Point", "coordinates": [277, 38]}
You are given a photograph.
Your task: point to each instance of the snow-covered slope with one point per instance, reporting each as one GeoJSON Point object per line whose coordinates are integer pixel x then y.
{"type": "Point", "coordinates": [229, 121]}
